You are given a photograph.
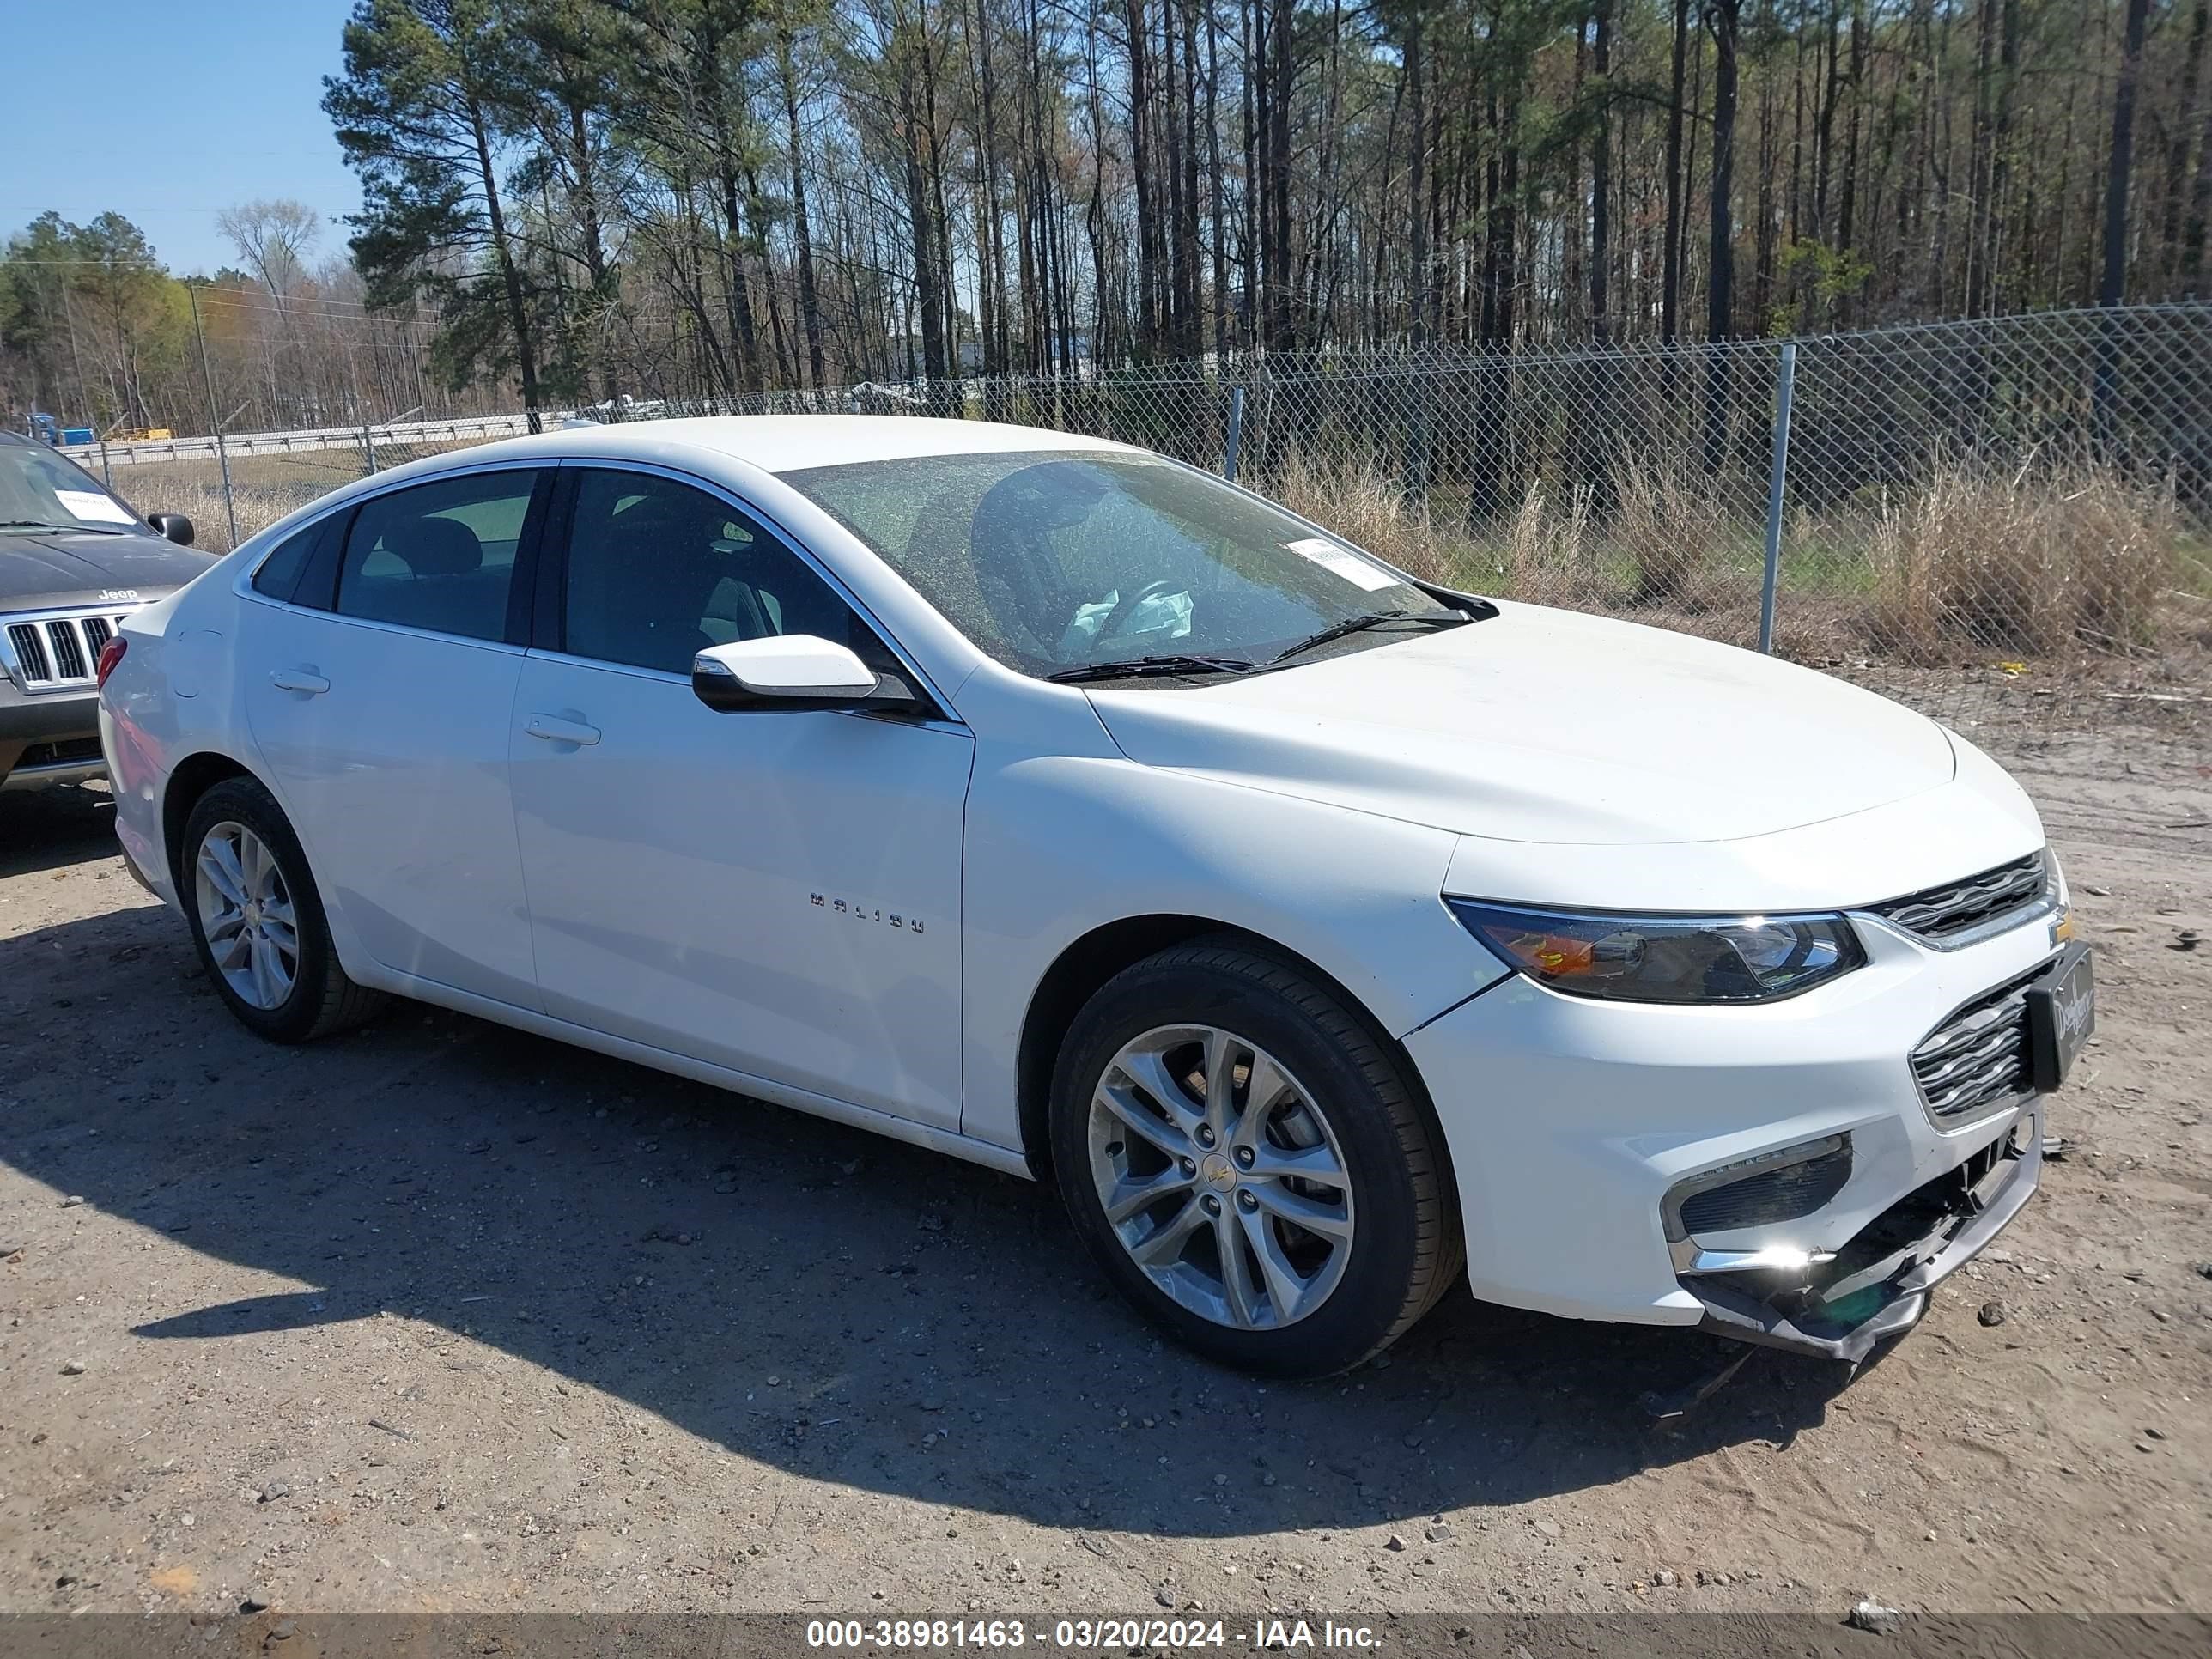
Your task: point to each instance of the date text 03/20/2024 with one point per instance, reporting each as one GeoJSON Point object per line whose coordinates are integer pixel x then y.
{"type": "Point", "coordinates": [1294, 1635]}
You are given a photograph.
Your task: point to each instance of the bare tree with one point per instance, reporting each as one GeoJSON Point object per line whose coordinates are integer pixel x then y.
{"type": "Point", "coordinates": [276, 239]}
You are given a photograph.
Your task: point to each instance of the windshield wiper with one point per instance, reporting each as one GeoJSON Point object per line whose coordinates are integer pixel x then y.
{"type": "Point", "coordinates": [1370, 619]}
{"type": "Point", "coordinates": [41, 523]}
{"type": "Point", "coordinates": [1136, 668]}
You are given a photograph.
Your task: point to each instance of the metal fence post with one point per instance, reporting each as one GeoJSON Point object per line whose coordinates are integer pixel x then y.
{"type": "Point", "coordinates": [215, 419]}
{"type": "Point", "coordinates": [1778, 476]}
{"type": "Point", "coordinates": [368, 444]}
{"type": "Point", "coordinates": [1236, 433]}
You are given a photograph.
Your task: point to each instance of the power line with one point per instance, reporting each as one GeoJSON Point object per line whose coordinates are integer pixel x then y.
{"type": "Point", "coordinates": [244, 298]}
{"type": "Point", "coordinates": [256, 299]}
{"type": "Point", "coordinates": [207, 289]}
{"type": "Point", "coordinates": [164, 207]}
{"type": "Point", "coordinates": [325, 308]}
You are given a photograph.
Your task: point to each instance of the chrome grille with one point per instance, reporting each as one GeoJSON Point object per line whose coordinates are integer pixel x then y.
{"type": "Point", "coordinates": [1977, 1058]}
{"type": "Point", "coordinates": [30, 648]}
{"type": "Point", "coordinates": [70, 662]}
{"type": "Point", "coordinates": [59, 653]}
{"type": "Point", "coordinates": [1943, 913]}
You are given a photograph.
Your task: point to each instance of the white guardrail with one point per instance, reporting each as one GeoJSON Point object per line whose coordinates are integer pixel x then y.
{"type": "Point", "coordinates": [471, 428]}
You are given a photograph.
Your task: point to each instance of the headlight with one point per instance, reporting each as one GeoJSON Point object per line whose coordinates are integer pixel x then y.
{"type": "Point", "coordinates": [1665, 959]}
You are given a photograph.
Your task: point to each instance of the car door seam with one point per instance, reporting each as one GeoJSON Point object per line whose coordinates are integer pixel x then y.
{"type": "Point", "coordinates": [514, 826]}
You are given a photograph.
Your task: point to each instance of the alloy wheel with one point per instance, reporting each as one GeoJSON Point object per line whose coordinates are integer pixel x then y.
{"type": "Point", "coordinates": [245, 911]}
{"type": "Point", "coordinates": [1220, 1176]}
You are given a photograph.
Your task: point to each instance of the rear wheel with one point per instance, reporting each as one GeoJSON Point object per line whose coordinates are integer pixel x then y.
{"type": "Point", "coordinates": [258, 921]}
{"type": "Point", "coordinates": [1248, 1162]}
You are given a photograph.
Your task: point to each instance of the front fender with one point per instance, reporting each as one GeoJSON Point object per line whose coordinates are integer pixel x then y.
{"type": "Point", "coordinates": [1058, 846]}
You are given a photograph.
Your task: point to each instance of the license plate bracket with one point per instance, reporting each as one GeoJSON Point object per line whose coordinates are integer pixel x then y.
{"type": "Point", "coordinates": [2062, 1015]}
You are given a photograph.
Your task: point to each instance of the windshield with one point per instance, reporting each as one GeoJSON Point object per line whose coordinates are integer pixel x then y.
{"type": "Point", "coordinates": [1060, 560]}
{"type": "Point", "coordinates": [39, 488]}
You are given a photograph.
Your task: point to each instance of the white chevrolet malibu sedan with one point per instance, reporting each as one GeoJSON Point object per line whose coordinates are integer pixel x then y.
{"type": "Point", "coordinates": [1037, 799]}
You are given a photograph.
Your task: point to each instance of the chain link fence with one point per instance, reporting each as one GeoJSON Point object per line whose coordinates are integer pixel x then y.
{"type": "Point", "coordinates": [2006, 523]}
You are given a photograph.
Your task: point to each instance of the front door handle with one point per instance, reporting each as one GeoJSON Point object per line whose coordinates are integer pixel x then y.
{"type": "Point", "coordinates": [553, 729]}
{"type": "Point", "coordinates": [299, 679]}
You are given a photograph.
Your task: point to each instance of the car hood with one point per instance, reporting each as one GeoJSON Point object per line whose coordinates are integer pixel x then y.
{"type": "Point", "coordinates": [1548, 726]}
{"type": "Point", "coordinates": [58, 568]}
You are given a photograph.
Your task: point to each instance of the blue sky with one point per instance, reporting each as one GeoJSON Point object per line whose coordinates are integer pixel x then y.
{"type": "Point", "coordinates": [168, 111]}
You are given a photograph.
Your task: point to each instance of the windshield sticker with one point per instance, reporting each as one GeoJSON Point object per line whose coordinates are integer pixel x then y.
{"type": "Point", "coordinates": [92, 506]}
{"type": "Point", "coordinates": [1342, 561]}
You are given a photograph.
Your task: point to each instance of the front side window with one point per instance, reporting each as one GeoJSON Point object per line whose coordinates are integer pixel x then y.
{"type": "Point", "coordinates": [1054, 561]}
{"type": "Point", "coordinates": [659, 571]}
{"type": "Point", "coordinates": [440, 555]}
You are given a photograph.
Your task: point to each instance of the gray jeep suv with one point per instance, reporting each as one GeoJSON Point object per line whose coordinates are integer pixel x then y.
{"type": "Point", "coordinates": [74, 560]}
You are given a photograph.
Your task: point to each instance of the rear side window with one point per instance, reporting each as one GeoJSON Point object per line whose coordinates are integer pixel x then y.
{"type": "Point", "coordinates": [439, 556]}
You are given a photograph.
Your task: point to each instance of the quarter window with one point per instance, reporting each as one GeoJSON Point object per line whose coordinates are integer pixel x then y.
{"type": "Point", "coordinates": [441, 556]}
{"type": "Point", "coordinates": [280, 572]}
{"type": "Point", "coordinates": [659, 571]}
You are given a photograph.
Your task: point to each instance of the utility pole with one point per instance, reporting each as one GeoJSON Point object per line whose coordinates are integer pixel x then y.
{"type": "Point", "coordinates": [76, 365]}
{"type": "Point", "coordinates": [215, 421]}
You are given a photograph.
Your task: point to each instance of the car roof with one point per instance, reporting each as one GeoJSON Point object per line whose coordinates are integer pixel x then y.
{"type": "Point", "coordinates": [768, 443]}
{"type": "Point", "coordinates": [790, 443]}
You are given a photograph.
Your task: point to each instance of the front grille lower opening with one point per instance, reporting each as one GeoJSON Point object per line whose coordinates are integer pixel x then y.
{"type": "Point", "coordinates": [1977, 1059]}
{"type": "Point", "coordinates": [1831, 1298]}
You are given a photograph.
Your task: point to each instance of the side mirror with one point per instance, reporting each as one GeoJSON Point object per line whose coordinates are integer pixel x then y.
{"type": "Point", "coordinates": [176, 526]}
{"type": "Point", "coordinates": [791, 670]}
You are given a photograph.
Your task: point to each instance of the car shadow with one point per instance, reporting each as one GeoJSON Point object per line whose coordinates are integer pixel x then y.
{"type": "Point", "coordinates": [798, 1292]}
{"type": "Point", "coordinates": [50, 828]}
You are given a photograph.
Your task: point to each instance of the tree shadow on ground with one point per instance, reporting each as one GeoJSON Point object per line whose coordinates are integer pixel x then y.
{"type": "Point", "coordinates": [678, 1246]}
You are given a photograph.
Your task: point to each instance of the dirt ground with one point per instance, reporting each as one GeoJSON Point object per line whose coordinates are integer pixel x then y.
{"type": "Point", "coordinates": [440, 1316]}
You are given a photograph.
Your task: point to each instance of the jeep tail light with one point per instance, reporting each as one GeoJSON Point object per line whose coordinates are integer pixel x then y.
{"type": "Point", "coordinates": [110, 655]}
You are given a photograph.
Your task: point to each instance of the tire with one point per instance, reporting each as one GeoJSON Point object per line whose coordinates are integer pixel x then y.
{"type": "Point", "coordinates": [316, 998]}
{"type": "Point", "coordinates": [1385, 1243]}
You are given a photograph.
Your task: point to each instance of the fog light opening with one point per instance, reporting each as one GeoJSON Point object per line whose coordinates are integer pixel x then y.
{"type": "Point", "coordinates": [1786, 1184]}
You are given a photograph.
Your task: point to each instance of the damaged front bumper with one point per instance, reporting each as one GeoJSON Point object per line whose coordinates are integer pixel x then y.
{"type": "Point", "coordinates": [1840, 1303]}
{"type": "Point", "coordinates": [1773, 1173]}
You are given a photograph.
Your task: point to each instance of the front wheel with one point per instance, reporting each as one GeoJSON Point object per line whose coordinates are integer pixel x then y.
{"type": "Point", "coordinates": [258, 919]}
{"type": "Point", "coordinates": [1248, 1162]}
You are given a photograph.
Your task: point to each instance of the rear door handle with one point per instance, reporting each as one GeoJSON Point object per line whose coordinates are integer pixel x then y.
{"type": "Point", "coordinates": [553, 729]}
{"type": "Point", "coordinates": [299, 679]}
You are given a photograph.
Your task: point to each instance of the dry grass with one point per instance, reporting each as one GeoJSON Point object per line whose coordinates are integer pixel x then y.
{"type": "Point", "coordinates": [1550, 549]}
{"type": "Point", "coordinates": [258, 507]}
{"type": "Point", "coordinates": [1673, 523]}
{"type": "Point", "coordinates": [1369, 509]}
{"type": "Point", "coordinates": [265, 487]}
{"type": "Point", "coordinates": [1546, 552]}
{"type": "Point", "coordinates": [2044, 563]}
